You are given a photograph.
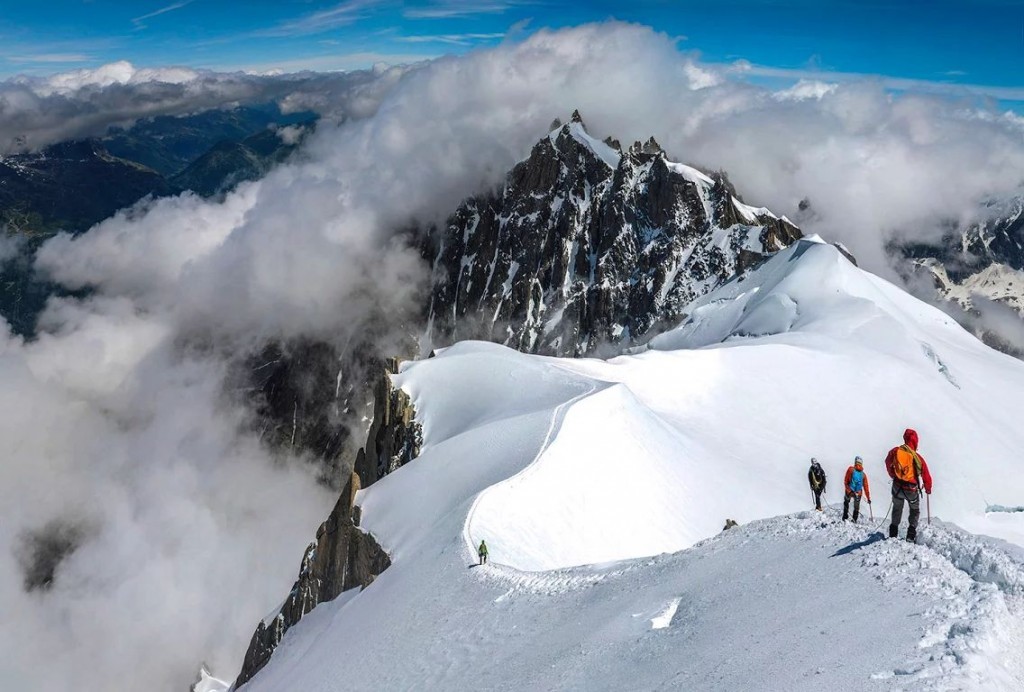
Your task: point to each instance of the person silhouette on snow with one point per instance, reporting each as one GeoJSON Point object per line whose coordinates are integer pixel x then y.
{"type": "Point", "coordinates": [816, 477]}
{"type": "Point", "coordinates": [909, 473]}
{"type": "Point", "coordinates": [482, 552]}
{"type": "Point", "coordinates": [855, 484]}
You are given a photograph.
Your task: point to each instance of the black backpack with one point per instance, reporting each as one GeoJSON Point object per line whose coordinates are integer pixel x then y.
{"type": "Point", "coordinates": [818, 474]}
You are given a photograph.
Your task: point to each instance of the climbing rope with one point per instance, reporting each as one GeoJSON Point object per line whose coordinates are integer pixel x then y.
{"type": "Point", "coordinates": [885, 517]}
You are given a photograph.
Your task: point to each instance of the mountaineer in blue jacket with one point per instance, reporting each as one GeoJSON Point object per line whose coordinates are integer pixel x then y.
{"type": "Point", "coordinates": [855, 484]}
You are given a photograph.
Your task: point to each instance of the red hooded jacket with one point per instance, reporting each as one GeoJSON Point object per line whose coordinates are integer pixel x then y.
{"type": "Point", "coordinates": [910, 438]}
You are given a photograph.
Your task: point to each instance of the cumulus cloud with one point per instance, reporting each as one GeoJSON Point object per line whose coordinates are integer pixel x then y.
{"type": "Point", "coordinates": [38, 111]}
{"type": "Point", "coordinates": [116, 417]}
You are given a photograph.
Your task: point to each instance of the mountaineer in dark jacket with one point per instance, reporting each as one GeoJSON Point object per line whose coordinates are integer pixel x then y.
{"type": "Point", "coordinates": [816, 477]}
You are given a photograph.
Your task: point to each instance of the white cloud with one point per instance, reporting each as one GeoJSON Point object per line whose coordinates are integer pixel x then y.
{"type": "Point", "coordinates": [37, 111]}
{"type": "Point", "coordinates": [919, 86]}
{"type": "Point", "coordinates": [806, 89]}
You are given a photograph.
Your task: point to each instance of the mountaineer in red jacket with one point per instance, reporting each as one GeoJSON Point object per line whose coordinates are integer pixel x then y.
{"type": "Point", "coordinates": [855, 484]}
{"type": "Point", "coordinates": [908, 471]}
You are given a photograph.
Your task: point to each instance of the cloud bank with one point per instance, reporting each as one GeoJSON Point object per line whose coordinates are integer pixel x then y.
{"type": "Point", "coordinates": [39, 111]}
{"type": "Point", "coordinates": [116, 420]}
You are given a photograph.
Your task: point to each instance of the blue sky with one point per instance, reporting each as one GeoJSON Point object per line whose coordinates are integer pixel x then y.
{"type": "Point", "coordinates": [978, 44]}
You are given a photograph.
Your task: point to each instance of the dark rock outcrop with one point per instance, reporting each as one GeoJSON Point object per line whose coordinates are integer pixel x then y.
{"type": "Point", "coordinates": [587, 249]}
{"type": "Point", "coordinates": [395, 437]}
{"type": "Point", "coordinates": [344, 557]}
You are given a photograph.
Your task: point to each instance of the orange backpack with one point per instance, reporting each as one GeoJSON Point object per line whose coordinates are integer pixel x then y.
{"type": "Point", "coordinates": [906, 465]}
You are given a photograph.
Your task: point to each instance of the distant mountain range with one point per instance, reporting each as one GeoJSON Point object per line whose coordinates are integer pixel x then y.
{"type": "Point", "coordinates": [72, 185]}
{"type": "Point", "coordinates": [977, 263]}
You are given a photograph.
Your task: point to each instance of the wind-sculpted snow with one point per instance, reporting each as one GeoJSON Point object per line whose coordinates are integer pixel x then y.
{"type": "Point", "coordinates": [803, 601]}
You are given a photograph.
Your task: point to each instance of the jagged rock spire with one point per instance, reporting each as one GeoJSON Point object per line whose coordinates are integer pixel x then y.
{"type": "Point", "coordinates": [585, 251]}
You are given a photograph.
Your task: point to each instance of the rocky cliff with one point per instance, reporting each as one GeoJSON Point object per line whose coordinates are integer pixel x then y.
{"type": "Point", "coordinates": [344, 557]}
{"type": "Point", "coordinates": [588, 248]}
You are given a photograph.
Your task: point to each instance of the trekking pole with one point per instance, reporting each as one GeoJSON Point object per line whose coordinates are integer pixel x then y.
{"type": "Point", "coordinates": [871, 511]}
{"type": "Point", "coordinates": [928, 504]}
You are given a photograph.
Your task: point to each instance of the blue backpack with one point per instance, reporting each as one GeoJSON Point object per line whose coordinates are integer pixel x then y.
{"type": "Point", "coordinates": [857, 481]}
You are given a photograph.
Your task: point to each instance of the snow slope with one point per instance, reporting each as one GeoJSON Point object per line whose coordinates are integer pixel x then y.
{"type": "Point", "coordinates": [560, 464]}
{"type": "Point", "coordinates": [793, 603]}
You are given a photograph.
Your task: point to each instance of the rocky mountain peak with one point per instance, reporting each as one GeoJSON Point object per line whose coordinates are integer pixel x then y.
{"type": "Point", "coordinates": [586, 250]}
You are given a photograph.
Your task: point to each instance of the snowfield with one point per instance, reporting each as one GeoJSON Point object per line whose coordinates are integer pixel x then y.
{"type": "Point", "coordinates": [576, 472]}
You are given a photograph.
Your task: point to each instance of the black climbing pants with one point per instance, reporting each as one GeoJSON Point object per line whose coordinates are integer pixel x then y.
{"type": "Point", "coordinates": [912, 497]}
{"type": "Point", "coordinates": [817, 497]}
{"type": "Point", "coordinates": [856, 505]}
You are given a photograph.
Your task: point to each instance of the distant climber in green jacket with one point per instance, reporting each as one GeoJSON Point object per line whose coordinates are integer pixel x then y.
{"type": "Point", "coordinates": [482, 552]}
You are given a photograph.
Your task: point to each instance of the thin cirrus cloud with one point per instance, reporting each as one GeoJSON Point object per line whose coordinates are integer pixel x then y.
{"type": "Point", "coordinates": [342, 14]}
{"type": "Point", "coordinates": [47, 58]}
{"type": "Point", "coordinates": [139, 21]}
{"type": "Point", "coordinates": [452, 9]}
{"type": "Point", "coordinates": [451, 39]}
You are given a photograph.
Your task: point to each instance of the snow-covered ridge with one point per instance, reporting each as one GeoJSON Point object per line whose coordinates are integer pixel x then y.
{"type": "Point", "coordinates": [770, 599]}
{"type": "Point", "coordinates": [806, 356]}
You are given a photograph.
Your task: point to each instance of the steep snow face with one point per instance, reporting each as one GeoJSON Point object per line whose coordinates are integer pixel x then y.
{"type": "Point", "coordinates": [602, 246]}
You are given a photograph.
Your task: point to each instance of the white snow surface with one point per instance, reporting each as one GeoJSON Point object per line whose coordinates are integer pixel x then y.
{"type": "Point", "coordinates": [576, 472]}
{"type": "Point", "coordinates": [803, 602]}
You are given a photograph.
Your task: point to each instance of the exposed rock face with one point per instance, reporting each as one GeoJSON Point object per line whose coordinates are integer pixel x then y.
{"type": "Point", "coordinates": [974, 264]}
{"type": "Point", "coordinates": [395, 437]}
{"type": "Point", "coordinates": [343, 557]}
{"type": "Point", "coordinates": [977, 258]}
{"type": "Point", "coordinates": [587, 246]}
